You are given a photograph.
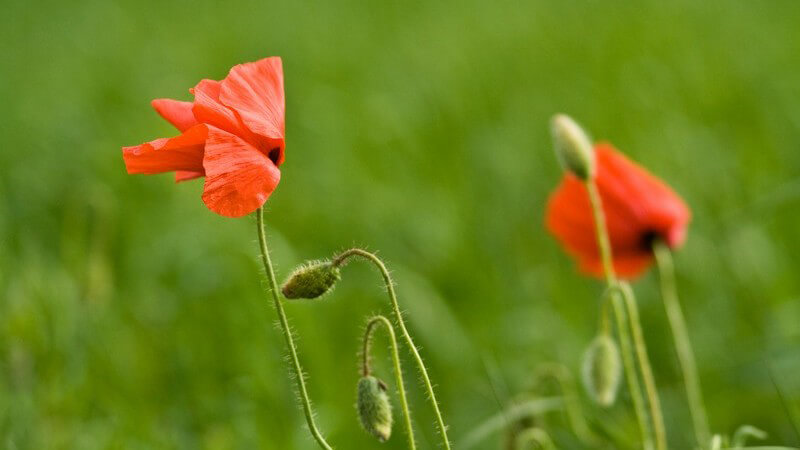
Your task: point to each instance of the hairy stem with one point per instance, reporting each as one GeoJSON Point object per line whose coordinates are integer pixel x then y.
{"type": "Point", "coordinates": [287, 332]}
{"type": "Point", "coordinates": [683, 345]}
{"type": "Point", "coordinates": [389, 284]}
{"type": "Point", "coordinates": [398, 373]}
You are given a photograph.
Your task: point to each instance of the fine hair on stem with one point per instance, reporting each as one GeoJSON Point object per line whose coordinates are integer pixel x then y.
{"type": "Point", "coordinates": [398, 315]}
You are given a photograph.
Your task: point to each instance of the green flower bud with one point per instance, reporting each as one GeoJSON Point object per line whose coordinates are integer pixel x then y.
{"type": "Point", "coordinates": [311, 280]}
{"type": "Point", "coordinates": [602, 370]}
{"type": "Point", "coordinates": [374, 409]}
{"type": "Point", "coordinates": [573, 147]}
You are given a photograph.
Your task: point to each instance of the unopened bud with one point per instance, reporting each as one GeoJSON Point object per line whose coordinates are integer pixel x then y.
{"type": "Point", "coordinates": [602, 370]}
{"type": "Point", "coordinates": [311, 280]}
{"type": "Point", "coordinates": [573, 146]}
{"type": "Point", "coordinates": [374, 408]}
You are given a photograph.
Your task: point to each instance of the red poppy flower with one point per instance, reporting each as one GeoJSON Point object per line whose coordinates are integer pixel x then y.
{"type": "Point", "coordinates": [638, 208]}
{"type": "Point", "coordinates": [233, 134]}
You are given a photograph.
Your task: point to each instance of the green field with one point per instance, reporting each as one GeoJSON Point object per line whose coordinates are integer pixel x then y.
{"type": "Point", "coordinates": [131, 317]}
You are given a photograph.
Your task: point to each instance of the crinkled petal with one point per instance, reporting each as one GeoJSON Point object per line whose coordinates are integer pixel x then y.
{"type": "Point", "coordinates": [239, 178]}
{"type": "Point", "coordinates": [208, 109]}
{"type": "Point", "coordinates": [255, 92]}
{"type": "Point", "coordinates": [178, 113]}
{"type": "Point", "coordinates": [184, 152]}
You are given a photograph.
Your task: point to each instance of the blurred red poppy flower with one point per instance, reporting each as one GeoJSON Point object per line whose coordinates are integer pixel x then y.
{"type": "Point", "coordinates": [233, 134]}
{"type": "Point", "coordinates": [638, 208]}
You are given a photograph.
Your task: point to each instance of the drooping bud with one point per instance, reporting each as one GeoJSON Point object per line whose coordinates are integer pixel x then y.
{"type": "Point", "coordinates": [602, 370]}
{"type": "Point", "coordinates": [374, 408]}
{"type": "Point", "coordinates": [573, 147]}
{"type": "Point", "coordinates": [311, 280]}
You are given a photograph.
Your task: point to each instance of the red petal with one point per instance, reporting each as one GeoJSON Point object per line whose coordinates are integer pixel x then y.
{"type": "Point", "coordinates": [184, 152]}
{"type": "Point", "coordinates": [255, 92]}
{"type": "Point", "coordinates": [569, 218]}
{"type": "Point", "coordinates": [239, 178]}
{"type": "Point", "coordinates": [186, 175]}
{"type": "Point", "coordinates": [638, 194]}
{"type": "Point", "coordinates": [178, 113]}
{"type": "Point", "coordinates": [636, 204]}
{"type": "Point", "coordinates": [625, 266]}
{"type": "Point", "coordinates": [208, 109]}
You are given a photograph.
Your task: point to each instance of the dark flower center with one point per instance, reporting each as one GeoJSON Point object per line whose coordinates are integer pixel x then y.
{"type": "Point", "coordinates": [648, 239]}
{"type": "Point", "coordinates": [274, 155]}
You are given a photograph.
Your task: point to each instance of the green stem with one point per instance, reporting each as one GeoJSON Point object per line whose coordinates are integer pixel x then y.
{"type": "Point", "coordinates": [605, 320]}
{"type": "Point", "coordinates": [287, 332]}
{"type": "Point", "coordinates": [646, 368]}
{"type": "Point", "coordinates": [601, 232]}
{"type": "Point", "coordinates": [387, 279]}
{"type": "Point", "coordinates": [572, 403]}
{"type": "Point", "coordinates": [683, 345]}
{"type": "Point", "coordinates": [629, 363]}
{"type": "Point", "coordinates": [398, 373]}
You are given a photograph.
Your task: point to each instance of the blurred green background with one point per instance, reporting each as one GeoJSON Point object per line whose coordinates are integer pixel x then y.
{"type": "Point", "coordinates": [132, 317]}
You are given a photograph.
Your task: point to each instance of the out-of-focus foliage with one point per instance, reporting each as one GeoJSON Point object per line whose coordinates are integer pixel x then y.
{"type": "Point", "coordinates": [132, 317]}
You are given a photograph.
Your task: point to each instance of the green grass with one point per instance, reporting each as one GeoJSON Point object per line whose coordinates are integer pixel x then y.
{"type": "Point", "coordinates": [132, 317]}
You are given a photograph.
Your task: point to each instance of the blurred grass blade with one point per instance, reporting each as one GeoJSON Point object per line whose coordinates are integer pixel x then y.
{"type": "Point", "coordinates": [514, 412]}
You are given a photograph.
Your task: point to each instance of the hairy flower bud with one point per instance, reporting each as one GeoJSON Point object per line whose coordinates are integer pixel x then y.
{"type": "Point", "coordinates": [374, 408]}
{"type": "Point", "coordinates": [573, 146]}
{"type": "Point", "coordinates": [602, 370]}
{"type": "Point", "coordinates": [311, 280]}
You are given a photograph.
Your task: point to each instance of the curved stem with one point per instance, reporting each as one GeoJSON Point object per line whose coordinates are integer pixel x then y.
{"type": "Point", "coordinates": [601, 233]}
{"type": "Point", "coordinates": [683, 345]}
{"type": "Point", "coordinates": [287, 332]}
{"type": "Point", "coordinates": [572, 403]}
{"type": "Point", "coordinates": [387, 279]}
{"type": "Point", "coordinates": [398, 373]}
{"type": "Point", "coordinates": [644, 364]}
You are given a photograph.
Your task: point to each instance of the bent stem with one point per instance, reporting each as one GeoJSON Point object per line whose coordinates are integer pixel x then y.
{"type": "Point", "coordinates": [287, 332]}
{"type": "Point", "coordinates": [683, 346]}
{"type": "Point", "coordinates": [635, 326]}
{"type": "Point", "coordinates": [389, 284]}
{"type": "Point", "coordinates": [572, 403]}
{"type": "Point", "coordinates": [398, 373]}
